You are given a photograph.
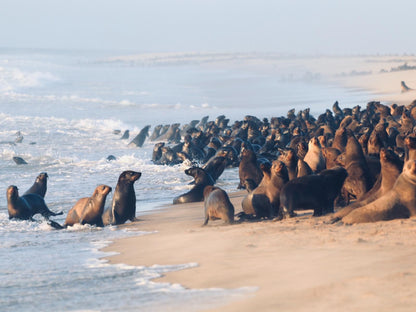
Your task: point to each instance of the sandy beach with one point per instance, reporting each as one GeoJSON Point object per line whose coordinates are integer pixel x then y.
{"type": "Point", "coordinates": [298, 264]}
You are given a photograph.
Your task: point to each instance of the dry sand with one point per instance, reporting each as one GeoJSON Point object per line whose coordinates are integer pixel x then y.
{"type": "Point", "coordinates": [298, 264]}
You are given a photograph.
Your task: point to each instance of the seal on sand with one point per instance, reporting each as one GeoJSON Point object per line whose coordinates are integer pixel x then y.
{"type": "Point", "coordinates": [89, 210]}
{"type": "Point", "coordinates": [391, 167]}
{"type": "Point", "coordinates": [123, 206]}
{"type": "Point", "coordinates": [39, 186]}
{"type": "Point", "coordinates": [317, 192]}
{"type": "Point", "coordinates": [264, 200]}
{"type": "Point", "coordinates": [248, 168]}
{"type": "Point", "coordinates": [359, 180]}
{"type": "Point", "coordinates": [398, 203]}
{"type": "Point", "coordinates": [26, 206]}
{"type": "Point", "coordinates": [196, 194]}
{"type": "Point", "coordinates": [217, 205]}
{"type": "Point", "coordinates": [314, 157]}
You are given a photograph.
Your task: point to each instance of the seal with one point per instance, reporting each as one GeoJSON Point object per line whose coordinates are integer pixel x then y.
{"type": "Point", "coordinates": [111, 158]}
{"type": "Point", "coordinates": [156, 132]}
{"type": "Point", "coordinates": [140, 138]}
{"type": "Point", "coordinates": [19, 160]}
{"type": "Point", "coordinates": [169, 135]}
{"type": "Point", "coordinates": [314, 157]}
{"type": "Point", "coordinates": [330, 154]}
{"type": "Point", "coordinates": [398, 203]}
{"type": "Point", "coordinates": [404, 87]}
{"type": "Point", "coordinates": [196, 194]}
{"type": "Point", "coordinates": [359, 180]}
{"type": "Point", "coordinates": [89, 210]}
{"type": "Point", "coordinates": [217, 205]}
{"type": "Point", "coordinates": [264, 200]}
{"type": "Point", "coordinates": [378, 138]}
{"type": "Point", "coordinates": [317, 192]}
{"type": "Point", "coordinates": [26, 206]}
{"type": "Point", "coordinates": [248, 168]}
{"type": "Point", "coordinates": [290, 159]}
{"type": "Point", "coordinates": [123, 205]}
{"type": "Point", "coordinates": [125, 135]}
{"type": "Point", "coordinates": [215, 166]}
{"type": "Point", "coordinates": [391, 167]}
{"type": "Point", "coordinates": [39, 187]}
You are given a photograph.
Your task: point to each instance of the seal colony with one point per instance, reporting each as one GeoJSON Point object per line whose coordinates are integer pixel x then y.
{"type": "Point", "coordinates": [345, 159]}
{"type": "Point", "coordinates": [361, 162]}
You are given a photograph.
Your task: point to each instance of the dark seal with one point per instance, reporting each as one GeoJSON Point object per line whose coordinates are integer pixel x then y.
{"type": "Point", "coordinates": [317, 192]}
{"type": "Point", "coordinates": [26, 206]}
{"type": "Point", "coordinates": [140, 138]}
{"type": "Point", "coordinates": [19, 160]}
{"type": "Point", "coordinates": [196, 194]}
{"type": "Point", "coordinates": [39, 187]}
{"type": "Point", "coordinates": [123, 206]}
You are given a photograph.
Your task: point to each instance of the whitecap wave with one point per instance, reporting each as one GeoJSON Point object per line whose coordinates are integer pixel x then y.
{"type": "Point", "coordinates": [12, 79]}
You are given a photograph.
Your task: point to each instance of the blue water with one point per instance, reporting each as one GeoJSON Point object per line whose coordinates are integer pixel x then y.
{"type": "Point", "coordinates": [66, 105]}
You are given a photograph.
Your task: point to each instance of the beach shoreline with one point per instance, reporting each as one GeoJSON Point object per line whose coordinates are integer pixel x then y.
{"type": "Point", "coordinates": [299, 264]}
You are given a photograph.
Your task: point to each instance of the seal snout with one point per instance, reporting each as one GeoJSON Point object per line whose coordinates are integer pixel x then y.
{"type": "Point", "coordinates": [13, 190]}
{"type": "Point", "coordinates": [106, 187]}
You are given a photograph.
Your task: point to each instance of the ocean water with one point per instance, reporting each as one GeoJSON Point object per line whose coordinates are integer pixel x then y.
{"type": "Point", "coordinates": [66, 105]}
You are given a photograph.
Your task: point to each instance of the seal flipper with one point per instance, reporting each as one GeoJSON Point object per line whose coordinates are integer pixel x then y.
{"type": "Point", "coordinates": [55, 225]}
{"type": "Point", "coordinates": [206, 220]}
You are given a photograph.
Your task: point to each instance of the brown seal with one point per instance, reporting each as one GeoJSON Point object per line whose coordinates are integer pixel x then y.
{"type": "Point", "coordinates": [248, 168]}
{"type": "Point", "coordinates": [359, 180]}
{"type": "Point", "coordinates": [391, 167]}
{"type": "Point", "coordinates": [264, 200]}
{"type": "Point", "coordinates": [89, 210]}
{"type": "Point", "coordinates": [331, 154]}
{"type": "Point", "coordinates": [290, 159]}
{"type": "Point", "coordinates": [217, 205]}
{"type": "Point", "coordinates": [39, 186]}
{"type": "Point", "coordinates": [26, 206]}
{"type": "Point", "coordinates": [378, 138]}
{"type": "Point", "coordinates": [398, 203]}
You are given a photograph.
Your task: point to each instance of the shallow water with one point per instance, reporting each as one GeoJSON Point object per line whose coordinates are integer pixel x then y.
{"type": "Point", "coordinates": [66, 105]}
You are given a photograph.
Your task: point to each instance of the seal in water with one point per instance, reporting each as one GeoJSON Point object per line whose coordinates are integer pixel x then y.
{"type": "Point", "coordinates": [217, 205]}
{"type": "Point", "coordinates": [19, 160]}
{"type": "Point", "coordinates": [141, 137]}
{"type": "Point", "coordinates": [39, 186]}
{"type": "Point", "coordinates": [26, 206]}
{"type": "Point", "coordinates": [123, 206]}
{"type": "Point", "coordinates": [196, 194]}
{"type": "Point", "coordinates": [89, 210]}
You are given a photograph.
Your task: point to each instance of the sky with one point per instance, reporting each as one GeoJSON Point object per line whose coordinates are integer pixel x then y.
{"type": "Point", "coordinates": [292, 26]}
